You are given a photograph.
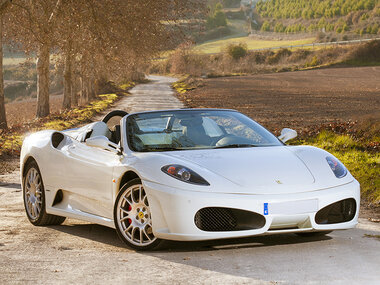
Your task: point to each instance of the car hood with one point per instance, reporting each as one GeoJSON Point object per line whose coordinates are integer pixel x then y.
{"type": "Point", "coordinates": [254, 170]}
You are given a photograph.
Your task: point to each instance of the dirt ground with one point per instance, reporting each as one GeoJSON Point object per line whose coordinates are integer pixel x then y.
{"type": "Point", "coordinates": [23, 111]}
{"type": "Point", "coordinates": [295, 99]}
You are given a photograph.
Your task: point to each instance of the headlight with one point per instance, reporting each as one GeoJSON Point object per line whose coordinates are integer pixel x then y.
{"type": "Point", "coordinates": [184, 174]}
{"type": "Point", "coordinates": [337, 167]}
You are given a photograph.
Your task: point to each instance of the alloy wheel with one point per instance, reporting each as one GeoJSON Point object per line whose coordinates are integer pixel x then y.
{"type": "Point", "coordinates": [33, 193]}
{"type": "Point", "coordinates": [134, 217]}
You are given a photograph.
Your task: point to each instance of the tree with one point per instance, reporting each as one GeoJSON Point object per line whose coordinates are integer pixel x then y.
{"type": "Point", "coordinates": [94, 38]}
{"type": "Point", "coordinates": [217, 18]}
{"type": "Point", "coordinates": [30, 25]}
{"type": "Point", "coordinates": [111, 38]}
{"type": "Point", "coordinates": [3, 120]}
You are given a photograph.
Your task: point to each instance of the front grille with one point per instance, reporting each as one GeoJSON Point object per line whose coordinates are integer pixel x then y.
{"type": "Point", "coordinates": [338, 212]}
{"type": "Point", "coordinates": [218, 219]}
{"type": "Point", "coordinates": [215, 219]}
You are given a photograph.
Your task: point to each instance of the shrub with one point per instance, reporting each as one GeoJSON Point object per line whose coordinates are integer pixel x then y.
{"type": "Point", "coordinates": [237, 51]}
{"type": "Point", "coordinates": [279, 28]}
{"type": "Point", "coordinates": [218, 19]}
{"type": "Point", "coordinates": [231, 3]}
{"type": "Point", "coordinates": [259, 57]}
{"type": "Point", "coordinates": [212, 34]}
{"type": "Point", "coordinates": [299, 54]}
{"type": "Point", "coordinates": [367, 53]}
{"type": "Point", "coordinates": [19, 89]}
{"type": "Point", "coordinates": [275, 58]}
{"type": "Point", "coordinates": [320, 37]}
{"type": "Point", "coordinates": [184, 61]}
{"type": "Point", "coordinates": [314, 62]}
{"type": "Point", "coordinates": [239, 15]}
{"type": "Point", "coordinates": [265, 27]}
{"type": "Point", "coordinates": [375, 29]}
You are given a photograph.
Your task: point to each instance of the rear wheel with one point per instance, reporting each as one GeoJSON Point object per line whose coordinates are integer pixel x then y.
{"type": "Point", "coordinates": [132, 217]}
{"type": "Point", "coordinates": [313, 234]}
{"type": "Point", "coordinates": [34, 198]}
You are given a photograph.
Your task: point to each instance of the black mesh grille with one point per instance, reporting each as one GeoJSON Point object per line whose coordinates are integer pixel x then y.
{"type": "Point", "coordinates": [338, 212]}
{"type": "Point", "coordinates": [218, 219]}
{"type": "Point", "coordinates": [215, 219]}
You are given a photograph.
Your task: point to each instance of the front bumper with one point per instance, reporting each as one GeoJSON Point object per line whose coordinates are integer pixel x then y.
{"type": "Point", "coordinates": [173, 211]}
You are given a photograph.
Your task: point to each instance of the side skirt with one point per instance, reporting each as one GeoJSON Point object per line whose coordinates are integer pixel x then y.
{"type": "Point", "coordinates": [77, 214]}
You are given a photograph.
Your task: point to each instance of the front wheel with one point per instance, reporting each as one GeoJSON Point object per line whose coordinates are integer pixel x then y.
{"type": "Point", "coordinates": [132, 217]}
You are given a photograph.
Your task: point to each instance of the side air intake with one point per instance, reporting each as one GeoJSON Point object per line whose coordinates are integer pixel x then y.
{"type": "Point", "coordinates": [338, 212]}
{"type": "Point", "coordinates": [56, 139]}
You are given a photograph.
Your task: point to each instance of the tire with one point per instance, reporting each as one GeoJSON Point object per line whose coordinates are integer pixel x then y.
{"type": "Point", "coordinates": [132, 217]}
{"type": "Point", "coordinates": [313, 234]}
{"type": "Point", "coordinates": [34, 198]}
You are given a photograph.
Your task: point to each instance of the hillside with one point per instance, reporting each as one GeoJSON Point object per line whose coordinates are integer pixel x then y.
{"type": "Point", "coordinates": [338, 16]}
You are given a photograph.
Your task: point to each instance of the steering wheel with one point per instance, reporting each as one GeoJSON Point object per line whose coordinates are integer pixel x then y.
{"type": "Point", "coordinates": [216, 140]}
{"type": "Point", "coordinates": [232, 139]}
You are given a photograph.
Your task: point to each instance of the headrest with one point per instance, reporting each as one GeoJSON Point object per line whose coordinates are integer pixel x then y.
{"type": "Point", "coordinates": [100, 129]}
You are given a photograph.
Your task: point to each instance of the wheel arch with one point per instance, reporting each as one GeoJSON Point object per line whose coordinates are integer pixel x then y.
{"type": "Point", "coordinates": [27, 160]}
{"type": "Point", "coordinates": [126, 177]}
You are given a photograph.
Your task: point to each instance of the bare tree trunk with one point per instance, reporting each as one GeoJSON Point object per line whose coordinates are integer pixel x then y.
{"type": "Point", "coordinates": [83, 90]}
{"type": "Point", "coordinates": [91, 91]}
{"type": "Point", "coordinates": [74, 92]}
{"type": "Point", "coordinates": [43, 62]}
{"type": "Point", "coordinates": [3, 118]}
{"type": "Point", "coordinates": [67, 88]}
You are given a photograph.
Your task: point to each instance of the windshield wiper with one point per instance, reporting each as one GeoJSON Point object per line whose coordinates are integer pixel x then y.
{"type": "Point", "coordinates": [236, 146]}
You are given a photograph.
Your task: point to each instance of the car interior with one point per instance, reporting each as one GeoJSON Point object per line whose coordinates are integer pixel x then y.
{"type": "Point", "coordinates": [108, 127]}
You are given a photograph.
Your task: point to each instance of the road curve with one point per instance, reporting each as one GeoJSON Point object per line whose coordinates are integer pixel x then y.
{"type": "Point", "coordinates": [154, 95]}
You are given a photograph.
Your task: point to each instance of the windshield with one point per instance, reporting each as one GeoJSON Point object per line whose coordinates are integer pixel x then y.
{"type": "Point", "coordinates": [195, 129]}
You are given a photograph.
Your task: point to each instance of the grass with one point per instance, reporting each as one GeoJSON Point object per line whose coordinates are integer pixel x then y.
{"type": "Point", "coordinates": [372, 236]}
{"type": "Point", "coordinates": [218, 45]}
{"type": "Point", "coordinates": [238, 28]}
{"type": "Point", "coordinates": [182, 86]}
{"type": "Point", "coordinates": [364, 165]}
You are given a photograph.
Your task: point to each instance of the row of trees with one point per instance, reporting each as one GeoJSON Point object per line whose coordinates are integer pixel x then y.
{"type": "Point", "coordinates": [310, 9]}
{"type": "Point", "coordinates": [95, 40]}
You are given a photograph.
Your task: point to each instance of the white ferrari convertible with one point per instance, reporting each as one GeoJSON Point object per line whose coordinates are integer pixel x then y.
{"type": "Point", "coordinates": [187, 175]}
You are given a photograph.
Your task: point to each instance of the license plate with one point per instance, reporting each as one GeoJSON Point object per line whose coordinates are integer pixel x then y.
{"type": "Point", "coordinates": [291, 207]}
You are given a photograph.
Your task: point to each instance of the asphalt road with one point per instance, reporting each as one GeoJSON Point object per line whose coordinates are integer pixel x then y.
{"type": "Point", "coordinates": [80, 252]}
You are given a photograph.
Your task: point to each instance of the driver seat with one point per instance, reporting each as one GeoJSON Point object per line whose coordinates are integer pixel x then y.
{"type": "Point", "coordinates": [99, 129]}
{"type": "Point", "coordinates": [193, 132]}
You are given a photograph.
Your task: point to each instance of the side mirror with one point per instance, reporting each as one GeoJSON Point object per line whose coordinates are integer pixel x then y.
{"type": "Point", "coordinates": [287, 134]}
{"type": "Point", "coordinates": [103, 143]}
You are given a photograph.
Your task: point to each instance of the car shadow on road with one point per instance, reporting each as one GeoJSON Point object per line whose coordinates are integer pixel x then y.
{"type": "Point", "coordinates": [16, 186]}
{"type": "Point", "coordinates": [240, 243]}
{"type": "Point", "coordinates": [108, 236]}
{"type": "Point", "coordinates": [92, 232]}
